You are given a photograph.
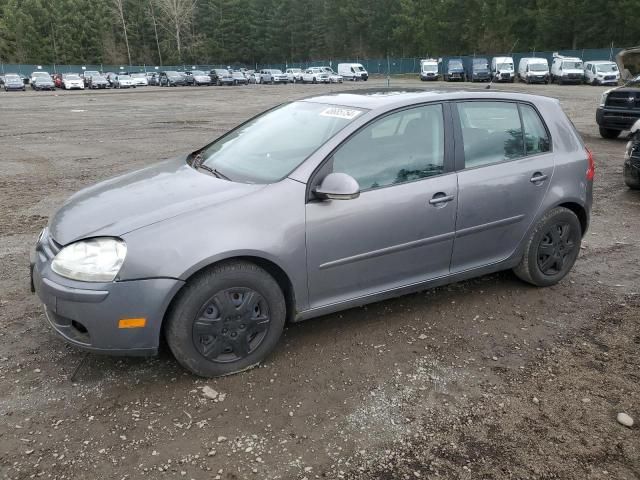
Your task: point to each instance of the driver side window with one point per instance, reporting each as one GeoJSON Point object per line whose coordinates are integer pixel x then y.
{"type": "Point", "coordinates": [399, 148]}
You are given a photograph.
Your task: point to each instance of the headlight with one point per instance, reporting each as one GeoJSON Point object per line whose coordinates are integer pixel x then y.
{"type": "Point", "coordinates": [93, 260]}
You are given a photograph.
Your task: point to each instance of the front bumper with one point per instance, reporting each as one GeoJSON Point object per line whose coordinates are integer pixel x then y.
{"type": "Point", "coordinates": [87, 314]}
{"type": "Point", "coordinates": [537, 78]}
{"type": "Point", "coordinates": [616, 118]}
{"type": "Point", "coordinates": [428, 76]}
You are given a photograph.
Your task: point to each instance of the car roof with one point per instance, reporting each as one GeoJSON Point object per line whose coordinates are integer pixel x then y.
{"type": "Point", "coordinates": [384, 99]}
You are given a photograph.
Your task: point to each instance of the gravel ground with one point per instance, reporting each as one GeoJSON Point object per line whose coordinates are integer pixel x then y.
{"type": "Point", "coordinates": [484, 379]}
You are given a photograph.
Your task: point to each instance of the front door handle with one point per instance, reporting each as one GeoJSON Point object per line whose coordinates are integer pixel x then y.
{"type": "Point", "coordinates": [439, 199]}
{"type": "Point", "coordinates": [538, 177]}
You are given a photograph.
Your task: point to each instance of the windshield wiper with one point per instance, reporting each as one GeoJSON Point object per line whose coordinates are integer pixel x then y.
{"type": "Point", "coordinates": [198, 163]}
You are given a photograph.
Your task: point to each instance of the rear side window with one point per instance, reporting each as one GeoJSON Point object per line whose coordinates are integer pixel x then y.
{"type": "Point", "coordinates": [491, 132]}
{"type": "Point", "coordinates": [536, 138]}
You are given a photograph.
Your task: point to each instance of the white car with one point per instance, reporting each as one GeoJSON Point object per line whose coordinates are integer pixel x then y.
{"type": "Point", "coordinates": [315, 75]}
{"type": "Point", "coordinates": [601, 73]}
{"type": "Point", "coordinates": [333, 76]}
{"type": "Point", "coordinates": [294, 74]}
{"type": "Point", "coordinates": [140, 79]}
{"type": "Point", "coordinates": [71, 81]}
{"type": "Point", "coordinates": [123, 81]}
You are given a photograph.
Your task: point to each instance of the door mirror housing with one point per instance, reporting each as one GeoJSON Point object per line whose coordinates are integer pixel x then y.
{"type": "Point", "coordinates": [337, 186]}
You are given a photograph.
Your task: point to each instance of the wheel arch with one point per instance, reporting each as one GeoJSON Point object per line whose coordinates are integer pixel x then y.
{"type": "Point", "coordinates": [271, 267]}
{"type": "Point", "coordinates": [580, 212]}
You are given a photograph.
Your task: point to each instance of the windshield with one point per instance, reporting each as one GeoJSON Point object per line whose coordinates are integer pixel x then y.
{"type": "Point", "coordinates": [276, 72]}
{"type": "Point", "coordinates": [505, 66]}
{"type": "Point", "coordinates": [222, 72]}
{"type": "Point", "coordinates": [360, 68]}
{"type": "Point", "coordinates": [98, 78]}
{"type": "Point", "coordinates": [538, 67]}
{"type": "Point", "coordinates": [607, 68]}
{"type": "Point", "coordinates": [123, 77]}
{"type": "Point", "coordinates": [39, 74]}
{"type": "Point", "coordinates": [480, 65]}
{"type": "Point", "coordinates": [571, 65]}
{"type": "Point", "coordinates": [138, 75]}
{"type": "Point", "coordinates": [197, 72]}
{"type": "Point", "coordinates": [238, 75]}
{"type": "Point", "coordinates": [269, 147]}
{"type": "Point", "coordinates": [12, 78]}
{"type": "Point", "coordinates": [72, 77]}
{"type": "Point", "coordinates": [429, 68]}
{"type": "Point", "coordinates": [172, 74]}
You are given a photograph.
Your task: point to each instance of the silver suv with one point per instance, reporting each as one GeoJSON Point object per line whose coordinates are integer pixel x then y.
{"type": "Point", "coordinates": [310, 208]}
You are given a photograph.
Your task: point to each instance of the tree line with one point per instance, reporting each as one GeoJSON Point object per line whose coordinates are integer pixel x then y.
{"type": "Point", "coordinates": [169, 32]}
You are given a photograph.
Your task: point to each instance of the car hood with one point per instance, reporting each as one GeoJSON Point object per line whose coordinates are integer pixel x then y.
{"type": "Point", "coordinates": [144, 197]}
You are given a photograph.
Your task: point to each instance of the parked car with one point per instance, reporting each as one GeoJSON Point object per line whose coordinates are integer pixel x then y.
{"type": "Point", "coordinates": [273, 75]}
{"type": "Point", "coordinates": [304, 197]}
{"type": "Point", "coordinates": [566, 70]}
{"type": "Point", "coordinates": [199, 77]}
{"type": "Point", "coordinates": [619, 109]}
{"type": "Point", "coordinates": [239, 78]}
{"type": "Point", "coordinates": [72, 81]}
{"type": "Point", "coordinates": [502, 69]}
{"type": "Point", "coordinates": [12, 81]}
{"type": "Point", "coordinates": [479, 70]}
{"type": "Point", "coordinates": [601, 73]}
{"type": "Point", "coordinates": [97, 82]}
{"type": "Point", "coordinates": [632, 158]}
{"type": "Point", "coordinates": [57, 80]}
{"type": "Point", "coordinates": [171, 79]}
{"type": "Point", "coordinates": [429, 69]}
{"type": "Point", "coordinates": [38, 74]}
{"type": "Point", "coordinates": [42, 83]}
{"type": "Point", "coordinates": [294, 74]}
{"type": "Point", "coordinates": [353, 71]}
{"type": "Point", "coordinates": [123, 81]}
{"type": "Point", "coordinates": [188, 78]}
{"type": "Point", "coordinates": [333, 76]}
{"type": "Point", "coordinates": [221, 76]}
{"type": "Point", "coordinates": [253, 77]}
{"type": "Point", "coordinates": [454, 70]}
{"type": "Point", "coordinates": [153, 79]}
{"type": "Point", "coordinates": [87, 74]}
{"type": "Point", "coordinates": [140, 79]}
{"type": "Point", "coordinates": [24, 79]}
{"type": "Point", "coordinates": [315, 75]}
{"type": "Point", "coordinates": [533, 70]}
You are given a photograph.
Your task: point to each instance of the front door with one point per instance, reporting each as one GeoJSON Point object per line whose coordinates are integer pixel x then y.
{"type": "Point", "coordinates": [503, 177]}
{"type": "Point", "coordinates": [400, 230]}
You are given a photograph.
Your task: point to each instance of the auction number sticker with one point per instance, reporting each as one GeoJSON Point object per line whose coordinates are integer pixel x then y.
{"type": "Point", "coordinates": [340, 112]}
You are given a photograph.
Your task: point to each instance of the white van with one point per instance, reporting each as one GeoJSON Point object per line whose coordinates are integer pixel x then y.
{"type": "Point", "coordinates": [428, 69]}
{"type": "Point", "coordinates": [502, 69]}
{"type": "Point", "coordinates": [352, 71]}
{"type": "Point", "coordinates": [533, 70]}
{"type": "Point", "coordinates": [566, 69]}
{"type": "Point", "coordinates": [601, 72]}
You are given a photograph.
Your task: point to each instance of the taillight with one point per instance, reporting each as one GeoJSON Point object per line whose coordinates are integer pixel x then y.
{"type": "Point", "coordinates": [591, 170]}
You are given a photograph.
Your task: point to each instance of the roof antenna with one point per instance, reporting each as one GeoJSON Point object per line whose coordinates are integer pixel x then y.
{"type": "Point", "coordinates": [488, 87]}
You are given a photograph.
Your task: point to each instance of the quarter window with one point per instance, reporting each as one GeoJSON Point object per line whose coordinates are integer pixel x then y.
{"type": "Point", "coordinates": [536, 139]}
{"type": "Point", "coordinates": [401, 147]}
{"type": "Point", "coordinates": [491, 132]}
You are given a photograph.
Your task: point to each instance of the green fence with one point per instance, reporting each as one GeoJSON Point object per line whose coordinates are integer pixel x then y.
{"type": "Point", "coordinates": [382, 66]}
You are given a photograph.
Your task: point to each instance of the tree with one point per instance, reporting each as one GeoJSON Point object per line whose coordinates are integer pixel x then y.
{"type": "Point", "coordinates": [177, 18]}
{"type": "Point", "coordinates": [118, 9]}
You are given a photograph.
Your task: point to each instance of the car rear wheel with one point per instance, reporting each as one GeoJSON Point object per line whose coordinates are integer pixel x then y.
{"type": "Point", "coordinates": [609, 133]}
{"type": "Point", "coordinates": [226, 320]}
{"type": "Point", "coordinates": [552, 249]}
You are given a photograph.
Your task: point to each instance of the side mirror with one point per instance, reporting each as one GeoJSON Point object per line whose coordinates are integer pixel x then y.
{"type": "Point", "coordinates": [338, 186]}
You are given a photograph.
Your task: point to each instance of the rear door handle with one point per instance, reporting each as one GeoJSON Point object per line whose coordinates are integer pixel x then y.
{"type": "Point", "coordinates": [440, 199]}
{"type": "Point", "coordinates": [538, 177]}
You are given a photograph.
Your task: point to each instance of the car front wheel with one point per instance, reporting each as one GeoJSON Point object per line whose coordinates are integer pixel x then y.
{"type": "Point", "coordinates": [609, 133]}
{"type": "Point", "coordinates": [552, 249]}
{"type": "Point", "coordinates": [226, 320]}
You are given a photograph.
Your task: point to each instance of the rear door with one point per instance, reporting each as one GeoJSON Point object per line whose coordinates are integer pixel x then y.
{"type": "Point", "coordinates": [505, 164]}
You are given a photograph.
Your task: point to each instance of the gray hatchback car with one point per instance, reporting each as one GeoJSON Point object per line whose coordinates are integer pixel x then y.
{"type": "Point", "coordinates": [313, 207]}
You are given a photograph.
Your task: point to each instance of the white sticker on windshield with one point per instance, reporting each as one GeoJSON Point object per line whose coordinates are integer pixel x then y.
{"type": "Point", "coordinates": [340, 112]}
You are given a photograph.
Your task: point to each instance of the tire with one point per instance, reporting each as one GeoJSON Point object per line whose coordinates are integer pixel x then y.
{"type": "Point", "coordinates": [205, 297]}
{"type": "Point", "coordinates": [609, 133]}
{"type": "Point", "coordinates": [548, 255]}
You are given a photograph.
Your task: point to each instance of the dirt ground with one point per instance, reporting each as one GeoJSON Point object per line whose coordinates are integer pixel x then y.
{"type": "Point", "coordinates": [484, 379]}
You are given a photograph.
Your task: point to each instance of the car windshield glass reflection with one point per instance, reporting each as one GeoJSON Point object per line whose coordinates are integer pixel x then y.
{"type": "Point", "coordinates": [269, 147]}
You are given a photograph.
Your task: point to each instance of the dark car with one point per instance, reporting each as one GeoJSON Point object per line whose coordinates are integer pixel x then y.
{"type": "Point", "coordinates": [619, 109]}
{"type": "Point", "coordinates": [313, 207]}
{"type": "Point", "coordinates": [13, 81]}
{"type": "Point", "coordinates": [220, 76]}
{"type": "Point", "coordinates": [97, 81]}
{"type": "Point", "coordinates": [24, 79]}
{"type": "Point", "coordinates": [199, 77]}
{"type": "Point", "coordinates": [239, 78]}
{"type": "Point", "coordinates": [153, 79]}
{"type": "Point", "coordinates": [188, 78]}
{"type": "Point", "coordinates": [480, 70]}
{"type": "Point", "coordinates": [172, 79]}
{"type": "Point", "coordinates": [43, 83]}
{"type": "Point", "coordinates": [454, 70]}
